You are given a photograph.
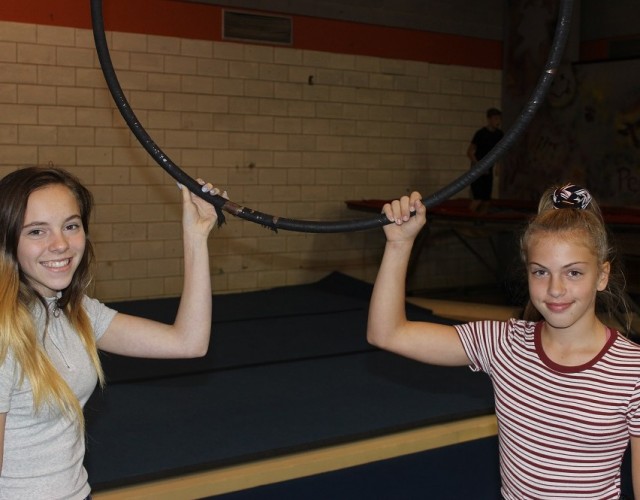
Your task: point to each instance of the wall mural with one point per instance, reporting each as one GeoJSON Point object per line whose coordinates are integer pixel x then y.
{"type": "Point", "coordinates": [587, 131]}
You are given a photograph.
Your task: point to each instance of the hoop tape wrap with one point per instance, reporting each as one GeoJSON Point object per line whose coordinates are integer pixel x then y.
{"type": "Point", "coordinates": [310, 226]}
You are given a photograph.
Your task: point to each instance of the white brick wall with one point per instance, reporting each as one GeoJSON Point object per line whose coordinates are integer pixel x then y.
{"type": "Point", "coordinates": [246, 118]}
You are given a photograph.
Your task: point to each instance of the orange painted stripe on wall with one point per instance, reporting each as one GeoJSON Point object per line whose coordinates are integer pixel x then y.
{"type": "Point", "coordinates": [204, 22]}
{"type": "Point", "coordinates": [597, 50]}
{"type": "Point", "coordinates": [154, 17]}
{"type": "Point", "coordinates": [383, 41]}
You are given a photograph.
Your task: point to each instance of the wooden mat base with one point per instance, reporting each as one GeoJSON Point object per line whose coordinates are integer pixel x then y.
{"type": "Point", "coordinates": [269, 471]}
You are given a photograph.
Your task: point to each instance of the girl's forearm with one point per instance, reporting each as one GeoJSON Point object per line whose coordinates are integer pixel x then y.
{"type": "Point", "coordinates": [193, 320]}
{"type": "Point", "coordinates": [387, 308]}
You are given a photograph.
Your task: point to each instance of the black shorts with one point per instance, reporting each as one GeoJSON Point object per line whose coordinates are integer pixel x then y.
{"type": "Point", "coordinates": [481, 188]}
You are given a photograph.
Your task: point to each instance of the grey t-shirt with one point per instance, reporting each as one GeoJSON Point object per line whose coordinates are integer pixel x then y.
{"type": "Point", "coordinates": [43, 450]}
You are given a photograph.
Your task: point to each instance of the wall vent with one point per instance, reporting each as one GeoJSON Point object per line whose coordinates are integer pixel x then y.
{"type": "Point", "coordinates": [265, 28]}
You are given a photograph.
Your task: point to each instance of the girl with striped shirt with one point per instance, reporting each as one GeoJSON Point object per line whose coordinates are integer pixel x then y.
{"type": "Point", "coordinates": [567, 386]}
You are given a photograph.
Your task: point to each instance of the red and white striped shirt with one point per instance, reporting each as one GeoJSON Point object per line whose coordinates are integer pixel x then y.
{"type": "Point", "coordinates": [562, 429]}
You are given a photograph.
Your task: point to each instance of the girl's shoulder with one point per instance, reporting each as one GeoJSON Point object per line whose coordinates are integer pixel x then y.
{"type": "Point", "coordinates": [99, 314]}
{"type": "Point", "coordinates": [513, 327]}
{"type": "Point", "coordinates": [627, 343]}
{"type": "Point", "coordinates": [92, 305]}
{"type": "Point", "coordinates": [522, 325]}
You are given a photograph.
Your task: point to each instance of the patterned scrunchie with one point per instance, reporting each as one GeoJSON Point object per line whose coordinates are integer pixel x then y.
{"type": "Point", "coordinates": [571, 196]}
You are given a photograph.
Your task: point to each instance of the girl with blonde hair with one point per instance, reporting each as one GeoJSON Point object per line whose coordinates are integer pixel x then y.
{"type": "Point", "coordinates": [567, 386]}
{"type": "Point", "coordinates": [50, 330]}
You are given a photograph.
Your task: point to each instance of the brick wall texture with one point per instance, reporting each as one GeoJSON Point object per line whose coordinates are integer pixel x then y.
{"type": "Point", "coordinates": [285, 131]}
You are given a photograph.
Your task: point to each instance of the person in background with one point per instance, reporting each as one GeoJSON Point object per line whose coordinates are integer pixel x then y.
{"type": "Point", "coordinates": [51, 331]}
{"type": "Point", "coordinates": [482, 142]}
{"type": "Point", "coordinates": [567, 386]}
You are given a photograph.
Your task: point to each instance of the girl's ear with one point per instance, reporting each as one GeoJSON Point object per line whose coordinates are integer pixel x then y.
{"type": "Point", "coordinates": [603, 280]}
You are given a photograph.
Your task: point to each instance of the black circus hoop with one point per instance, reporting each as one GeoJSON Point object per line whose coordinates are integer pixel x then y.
{"type": "Point", "coordinates": [311, 226]}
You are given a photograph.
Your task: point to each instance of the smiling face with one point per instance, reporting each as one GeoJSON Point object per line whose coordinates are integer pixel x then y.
{"type": "Point", "coordinates": [564, 276]}
{"type": "Point", "coordinates": [52, 239]}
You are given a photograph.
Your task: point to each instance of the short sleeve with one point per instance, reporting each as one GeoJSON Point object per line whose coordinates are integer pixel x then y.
{"type": "Point", "coordinates": [476, 137]}
{"type": "Point", "coordinates": [479, 340]}
{"type": "Point", "coordinates": [633, 413]}
{"type": "Point", "coordinates": [8, 381]}
{"type": "Point", "coordinates": [469, 343]}
{"type": "Point", "coordinates": [99, 314]}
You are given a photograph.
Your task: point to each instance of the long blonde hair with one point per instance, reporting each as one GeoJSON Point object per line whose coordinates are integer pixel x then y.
{"type": "Point", "coordinates": [18, 334]}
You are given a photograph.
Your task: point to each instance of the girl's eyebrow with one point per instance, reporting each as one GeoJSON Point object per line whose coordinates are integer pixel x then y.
{"type": "Point", "coordinates": [577, 263]}
{"type": "Point", "coordinates": [39, 223]}
{"type": "Point", "coordinates": [34, 224]}
{"type": "Point", "coordinates": [533, 263]}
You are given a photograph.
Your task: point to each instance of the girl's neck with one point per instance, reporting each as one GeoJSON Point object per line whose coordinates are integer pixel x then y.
{"type": "Point", "coordinates": [589, 326]}
{"type": "Point", "coordinates": [570, 346]}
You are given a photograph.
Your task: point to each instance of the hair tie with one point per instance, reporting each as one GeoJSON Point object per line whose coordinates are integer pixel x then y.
{"type": "Point", "coordinates": [571, 196]}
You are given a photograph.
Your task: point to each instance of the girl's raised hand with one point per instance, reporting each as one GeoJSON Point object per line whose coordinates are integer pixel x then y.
{"type": "Point", "coordinates": [197, 214]}
{"type": "Point", "coordinates": [404, 226]}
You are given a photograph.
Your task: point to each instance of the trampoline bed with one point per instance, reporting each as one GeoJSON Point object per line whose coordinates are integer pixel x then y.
{"type": "Point", "coordinates": [502, 211]}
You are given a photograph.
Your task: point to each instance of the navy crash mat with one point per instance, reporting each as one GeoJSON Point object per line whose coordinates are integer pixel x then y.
{"type": "Point", "coordinates": [288, 370]}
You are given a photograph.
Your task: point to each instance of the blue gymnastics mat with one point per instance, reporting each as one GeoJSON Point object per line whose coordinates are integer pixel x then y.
{"type": "Point", "coordinates": [289, 369]}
